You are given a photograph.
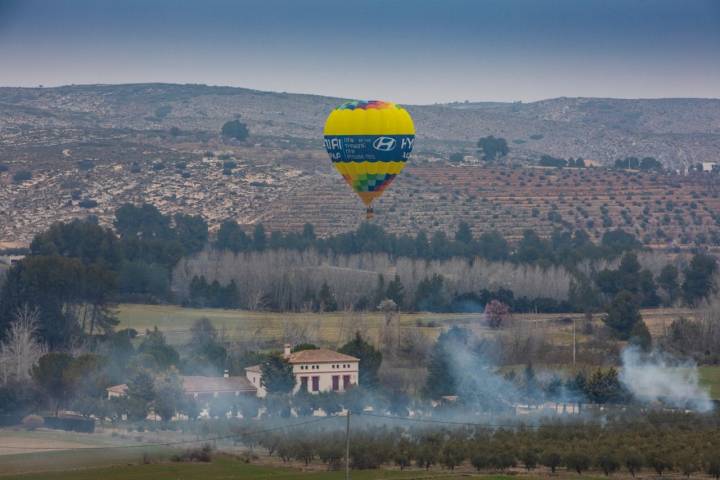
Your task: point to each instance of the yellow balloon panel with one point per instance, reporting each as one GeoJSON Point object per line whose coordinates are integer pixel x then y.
{"type": "Point", "coordinates": [369, 143]}
{"type": "Point", "coordinates": [368, 118]}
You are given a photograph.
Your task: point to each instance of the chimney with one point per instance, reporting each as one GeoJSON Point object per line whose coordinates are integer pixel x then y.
{"type": "Point", "coordinates": [286, 351]}
{"type": "Point", "coordinates": [226, 374]}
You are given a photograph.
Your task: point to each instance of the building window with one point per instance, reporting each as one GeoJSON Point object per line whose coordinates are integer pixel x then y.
{"type": "Point", "coordinates": [336, 383]}
{"type": "Point", "coordinates": [304, 384]}
{"type": "Point", "coordinates": [315, 384]}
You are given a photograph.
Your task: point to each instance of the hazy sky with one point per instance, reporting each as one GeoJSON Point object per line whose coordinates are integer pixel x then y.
{"type": "Point", "coordinates": [406, 51]}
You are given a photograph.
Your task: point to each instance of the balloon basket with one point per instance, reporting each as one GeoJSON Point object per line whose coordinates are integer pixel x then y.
{"type": "Point", "coordinates": [369, 213]}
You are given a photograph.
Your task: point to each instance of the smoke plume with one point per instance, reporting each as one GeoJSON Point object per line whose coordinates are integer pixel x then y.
{"type": "Point", "coordinates": [477, 383]}
{"type": "Point", "coordinates": [655, 377]}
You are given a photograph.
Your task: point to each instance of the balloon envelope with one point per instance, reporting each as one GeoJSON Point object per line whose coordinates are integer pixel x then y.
{"type": "Point", "coordinates": [369, 143]}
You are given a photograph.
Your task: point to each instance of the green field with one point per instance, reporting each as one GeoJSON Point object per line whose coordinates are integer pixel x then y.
{"type": "Point", "coordinates": [23, 451]}
{"type": "Point", "coordinates": [710, 377]}
{"type": "Point", "coordinates": [333, 328]}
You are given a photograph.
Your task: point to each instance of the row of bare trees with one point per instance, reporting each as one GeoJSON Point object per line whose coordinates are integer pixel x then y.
{"type": "Point", "coordinates": [698, 338]}
{"type": "Point", "coordinates": [284, 278]}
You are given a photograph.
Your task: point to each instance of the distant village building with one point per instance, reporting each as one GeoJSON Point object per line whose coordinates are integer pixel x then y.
{"type": "Point", "coordinates": [201, 388]}
{"type": "Point", "coordinates": [318, 370]}
{"type": "Point", "coordinates": [556, 408]}
{"type": "Point", "coordinates": [10, 259]}
{"type": "Point", "coordinates": [709, 166]}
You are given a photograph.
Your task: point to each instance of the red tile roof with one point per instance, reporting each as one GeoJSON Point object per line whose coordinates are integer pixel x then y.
{"type": "Point", "coordinates": [197, 384]}
{"type": "Point", "coordinates": [320, 355]}
{"type": "Point", "coordinates": [119, 389]}
{"type": "Point", "coordinates": [204, 385]}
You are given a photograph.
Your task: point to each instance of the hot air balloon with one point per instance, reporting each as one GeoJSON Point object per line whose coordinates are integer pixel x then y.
{"type": "Point", "coordinates": [369, 143]}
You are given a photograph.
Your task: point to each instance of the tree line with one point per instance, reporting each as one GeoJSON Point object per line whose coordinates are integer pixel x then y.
{"type": "Point", "coordinates": [76, 270]}
{"type": "Point", "coordinates": [561, 248]}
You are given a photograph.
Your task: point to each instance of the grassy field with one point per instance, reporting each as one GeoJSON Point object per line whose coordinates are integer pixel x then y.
{"type": "Point", "coordinates": [22, 441]}
{"type": "Point", "coordinates": [41, 451]}
{"type": "Point", "coordinates": [335, 328]}
{"type": "Point", "coordinates": [710, 377]}
{"type": "Point", "coordinates": [331, 328]}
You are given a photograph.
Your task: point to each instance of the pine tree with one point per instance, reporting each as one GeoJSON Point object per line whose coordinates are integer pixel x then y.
{"type": "Point", "coordinates": [441, 376]}
{"type": "Point", "coordinates": [370, 360]}
{"type": "Point", "coordinates": [327, 299]}
{"type": "Point", "coordinates": [277, 375]}
{"type": "Point", "coordinates": [396, 291]}
{"type": "Point", "coordinates": [623, 314]}
{"type": "Point", "coordinates": [379, 294]}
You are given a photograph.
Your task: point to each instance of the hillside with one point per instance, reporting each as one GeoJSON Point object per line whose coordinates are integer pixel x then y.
{"type": "Point", "coordinates": [91, 148]}
{"type": "Point", "coordinates": [676, 131]}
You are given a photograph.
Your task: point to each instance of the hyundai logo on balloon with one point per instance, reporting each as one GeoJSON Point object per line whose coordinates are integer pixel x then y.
{"type": "Point", "coordinates": [384, 144]}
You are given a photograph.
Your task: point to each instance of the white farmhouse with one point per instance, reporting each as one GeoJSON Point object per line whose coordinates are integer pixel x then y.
{"type": "Point", "coordinates": [709, 166]}
{"type": "Point", "coordinates": [319, 370]}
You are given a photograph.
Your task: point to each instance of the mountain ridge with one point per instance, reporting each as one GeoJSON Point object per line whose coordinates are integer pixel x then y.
{"type": "Point", "coordinates": [678, 131]}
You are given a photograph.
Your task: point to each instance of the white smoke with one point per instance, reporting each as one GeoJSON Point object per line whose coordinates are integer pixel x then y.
{"type": "Point", "coordinates": [655, 377]}
{"type": "Point", "coordinates": [477, 383]}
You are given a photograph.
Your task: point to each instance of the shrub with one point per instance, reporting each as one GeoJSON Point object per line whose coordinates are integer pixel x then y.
{"type": "Point", "coordinates": [551, 460]}
{"type": "Point", "coordinates": [634, 463]}
{"type": "Point", "coordinates": [608, 463]}
{"type": "Point", "coordinates": [235, 129]}
{"type": "Point", "coordinates": [31, 422]}
{"type": "Point", "coordinates": [22, 176]}
{"type": "Point", "coordinates": [83, 425]}
{"type": "Point", "coordinates": [529, 458]}
{"type": "Point", "coordinates": [496, 313]}
{"type": "Point", "coordinates": [480, 460]}
{"type": "Point", "coordinates": [577, 461]}
{"type": "Point", "coordinates": [202, 454]}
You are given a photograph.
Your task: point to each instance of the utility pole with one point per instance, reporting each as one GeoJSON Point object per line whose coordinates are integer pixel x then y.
{"type": "Point", "coordinates": [347, 446]}
{"type": "Point", "coordinates": [574, 343]}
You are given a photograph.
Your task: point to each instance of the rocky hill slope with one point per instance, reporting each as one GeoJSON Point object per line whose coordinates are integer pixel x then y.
{"type": "Point", "coordinates": [678, 132]}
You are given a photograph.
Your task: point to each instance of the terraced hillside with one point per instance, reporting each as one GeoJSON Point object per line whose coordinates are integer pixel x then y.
{"type": "Point", "coordinates": [662, 209]}
{"type": "Point", "coordinates": [89, 149]}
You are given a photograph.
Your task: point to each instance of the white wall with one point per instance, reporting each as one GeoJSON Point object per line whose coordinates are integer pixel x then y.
{"type": "Point", "coordinates": [256, 379]}
{"type": "Point", "coordinates": [325, 372]}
